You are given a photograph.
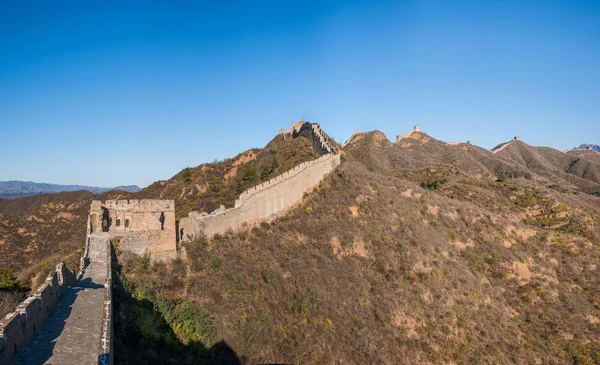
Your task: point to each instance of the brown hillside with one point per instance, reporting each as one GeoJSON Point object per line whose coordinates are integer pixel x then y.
{"type": "Point", "coordinates": [587, 154]}
{"type": "Point", "coordinates": [204, 188]}
{"type": "Point", "coordinates": [373, 259]}
{"type": "Point", "coordinates": [420, 151]}
{"type": "Point", "coordinates": [373, 268]}
{"type": "Point", "coordinates": [557, 166]}
{"type": "Point", "coordinates": [411, 252]}
{"type": "Point", "coordinates": [37, 232]}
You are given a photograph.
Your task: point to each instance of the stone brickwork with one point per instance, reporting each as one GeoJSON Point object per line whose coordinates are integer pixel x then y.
{"type": "Point", "coordinates": [78, 329]}
{"type": "Point", "coordinates": [262, 202]}
{"type": "Point", "coordinates": [17, 328]}
{"type": "Point", "coordinates": [416, 129]}
{"type": "Point", "coordinates": [321, 141]}
{"type": "Point", "coordinates": [294, 127]}
{"type": "Point", "coordinates": [143, 226]}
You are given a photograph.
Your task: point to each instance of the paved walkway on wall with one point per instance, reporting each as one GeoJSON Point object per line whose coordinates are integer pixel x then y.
{"type": "Point", "coordinates": [71, 334]}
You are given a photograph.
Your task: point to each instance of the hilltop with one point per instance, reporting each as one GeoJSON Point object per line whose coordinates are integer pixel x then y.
{"type": "Point", "coordinates": [412, 251]}
{"type": "Point", "coordinates": [206, 187]}
{"type": "Point", "coordinates": [554, 165]}
{"type": "Point", "coordinates": [584, 146]}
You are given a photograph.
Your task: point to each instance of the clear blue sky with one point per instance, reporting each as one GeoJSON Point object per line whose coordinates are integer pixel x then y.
{"type": "Point", "coordinates": [128, 92]}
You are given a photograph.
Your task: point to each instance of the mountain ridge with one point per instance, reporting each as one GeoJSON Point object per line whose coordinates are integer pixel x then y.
{"type": "Point", "coordinates": [438, 252]}
{"type": "Point", "coordinates": [586, 146]}
{"type": "Point", "coordinates": [16, 188]}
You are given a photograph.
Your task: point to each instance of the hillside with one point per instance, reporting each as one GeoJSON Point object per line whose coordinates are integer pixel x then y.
{"type": "Point", "coordinates": [36, 232]}
{"type": "Point", "coordinates": [398, 257]}
{"type": "Point", "coordinates": [204, 188]}
{"type": "Point", "coordinates": [417, 251]}
{"type": "Point", "coordinates": [555, 165]}
{"type": "Point", "coordinates": [411, 155]}
{"type": "Point", "coordinates": [15, 189]}
{"type": "Point", "coordinates": [587, 154]}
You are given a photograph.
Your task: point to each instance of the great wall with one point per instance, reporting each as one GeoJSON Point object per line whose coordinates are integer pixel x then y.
{"type": "Point", "coordinates": [270, 199]}
{"type": "Point", "coordinates": [68, 319]}
{"type": "Point", "coordinates": [260, 203]}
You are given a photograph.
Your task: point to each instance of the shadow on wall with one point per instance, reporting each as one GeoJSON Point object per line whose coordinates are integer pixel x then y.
{"type": "Point", "coordinates": [143, 336]}
{"type": "Point", "coordinates": [41, 347]}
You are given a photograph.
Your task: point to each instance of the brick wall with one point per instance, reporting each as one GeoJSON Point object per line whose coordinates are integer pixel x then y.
{"type": "Point", "coordinates": [18, 327]}
{"type": "Point", "coordinates": [262, 202]}
{"type": "Point", "coordinates": [138, 224]}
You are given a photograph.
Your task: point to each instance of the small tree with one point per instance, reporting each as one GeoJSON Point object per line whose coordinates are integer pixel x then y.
{"type": "Point", "coordinates": [187, 174]}
{"type": "Point", "coordinates": [8, 281]}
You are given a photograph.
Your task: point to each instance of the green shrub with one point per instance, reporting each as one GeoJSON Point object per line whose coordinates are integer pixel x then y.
{"type": "Point", "coordinates": [303, 301]}
{"type": "Point", "coordinates": [192, 323]}
{"type": "Point", "coordinates": [187, 174]}
{"type": "Point", "coordinates": [434, 184]}
{"type": "Point", "coordinates": [268, 275]}
{"type": "Point", "coordinates": [215, 262]}
{"type": "Point", "coordinates": [9, 282]}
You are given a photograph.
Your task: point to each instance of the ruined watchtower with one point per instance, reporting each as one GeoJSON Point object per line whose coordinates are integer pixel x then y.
{"type": "Point", "coordinates": [144, 226]}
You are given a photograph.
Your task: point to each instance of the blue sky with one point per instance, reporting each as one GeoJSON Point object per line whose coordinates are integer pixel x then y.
{"type": "Point", "coordinates": [114, 93]}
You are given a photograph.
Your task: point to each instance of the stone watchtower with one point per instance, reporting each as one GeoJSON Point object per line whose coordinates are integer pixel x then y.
{"type": "Point", "coordinates": [144, 226]}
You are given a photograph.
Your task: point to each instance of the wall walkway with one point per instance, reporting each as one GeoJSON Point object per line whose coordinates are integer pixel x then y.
{"type": "Point", "coordinates": [78, 328]}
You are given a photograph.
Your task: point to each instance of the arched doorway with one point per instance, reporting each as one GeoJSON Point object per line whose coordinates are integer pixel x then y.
{"type": "Point", "coordinates": [106, 220]}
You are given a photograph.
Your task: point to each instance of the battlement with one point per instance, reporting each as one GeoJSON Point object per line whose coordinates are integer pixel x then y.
{"type": "Point", "coordinates": [277, 179]}
{"type": "Point", "coordinates": [135, 205]}
{"type": "Point", "coordinates": [18, 327]}
{"type": "Point", "coordinates": [144, 226]}
{"type": "Point", "coordinates": [262, 202]}
{"type": "Point", "coordinates": [416, 129]}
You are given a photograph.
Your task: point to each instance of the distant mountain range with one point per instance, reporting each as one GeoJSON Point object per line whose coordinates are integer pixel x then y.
{"type": "Point", "coordinates": [16, 189]}
{"type": "Point", "coordinates": [584, 146]}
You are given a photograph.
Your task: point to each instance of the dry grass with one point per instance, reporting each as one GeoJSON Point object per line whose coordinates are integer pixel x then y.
{"type": "Point", "coordinates": [284, 293]}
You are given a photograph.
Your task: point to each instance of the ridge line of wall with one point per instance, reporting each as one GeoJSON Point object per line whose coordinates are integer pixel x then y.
{"type": "Point", "coordinates": [262, 202]}
{"type": "Point", "coordinates": [296, 170]}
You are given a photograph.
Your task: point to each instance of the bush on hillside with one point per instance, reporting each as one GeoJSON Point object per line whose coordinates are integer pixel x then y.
{"type": "Point", "coordinates": [434, 184]}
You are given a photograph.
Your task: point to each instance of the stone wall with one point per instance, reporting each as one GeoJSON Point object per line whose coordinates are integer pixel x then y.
{"type": "Point", "coordinates": [17, 328]}
{"type": "Point", "coordinates": [144, 226]}
{"type": "Point", "coordinates": [106, 343]}
{"type": "Point", "coordinates": [262, 202]}
{"type": "Point", "coordinates": [321, 141]}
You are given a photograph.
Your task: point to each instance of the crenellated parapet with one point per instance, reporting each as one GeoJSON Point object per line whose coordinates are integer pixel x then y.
{"type": "Point", "coordinates": [144, 226]}
{"type": "Point", "coordinates": [18, 327]}
{"type": "Point", "coordinates": [410, 134]}
{"type": "Point", "coordinates": [262, 202]}
{"type": "Point", "coordinates": [321, 141]}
